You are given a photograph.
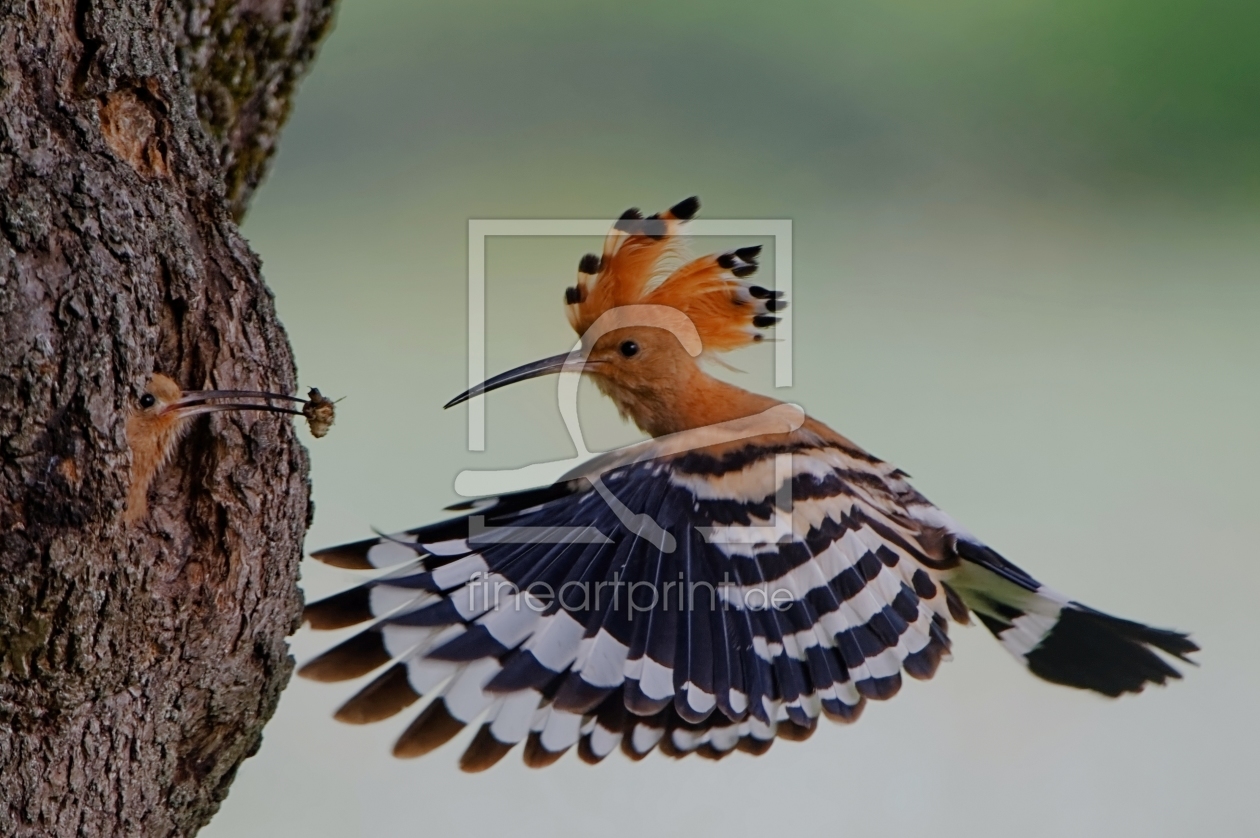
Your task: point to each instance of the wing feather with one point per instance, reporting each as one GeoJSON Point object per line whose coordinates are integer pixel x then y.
{"type": "Point", "coordinates": [761, 621]}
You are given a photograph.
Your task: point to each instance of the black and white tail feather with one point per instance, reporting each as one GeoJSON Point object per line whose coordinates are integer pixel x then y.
{"type": "Point", "coordinates": [870, 573]}
{"type": "Point", "coordinates": [1059, 640]}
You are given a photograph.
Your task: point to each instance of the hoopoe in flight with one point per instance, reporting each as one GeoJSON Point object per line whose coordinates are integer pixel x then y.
{"type": "Point", "coordinates": [726, 582]}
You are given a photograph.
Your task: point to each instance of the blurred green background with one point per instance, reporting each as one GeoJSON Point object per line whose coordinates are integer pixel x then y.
{"type": "Point", "coordinates": [1026, 268]}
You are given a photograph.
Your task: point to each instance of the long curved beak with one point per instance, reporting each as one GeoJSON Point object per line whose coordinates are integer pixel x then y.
{"type": "Point", "coordinates": [197, 410]}
{"type": "Point", "coordinates": [195, 402]}
{"type": "Point", "coordinates": [198, 396]}
{"type": "Point", "coordinates": [547, 366]}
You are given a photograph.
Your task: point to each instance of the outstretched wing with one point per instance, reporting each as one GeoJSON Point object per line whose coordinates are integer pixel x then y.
{"type": "Point", "coordinates": [703, 603]}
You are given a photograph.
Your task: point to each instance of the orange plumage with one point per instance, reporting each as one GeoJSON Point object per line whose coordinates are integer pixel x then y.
{"type": "Point", "coordinates": [711, 291]}
{"type": "Point", "coordinates": [152, 431]}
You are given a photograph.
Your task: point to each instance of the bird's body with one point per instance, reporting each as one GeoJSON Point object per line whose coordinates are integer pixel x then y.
{"type": "Point", "coordinates": [729, 581]}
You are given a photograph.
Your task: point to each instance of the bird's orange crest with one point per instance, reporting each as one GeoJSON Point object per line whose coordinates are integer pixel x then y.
{"type": "Point", "coordinates": [713, 291]}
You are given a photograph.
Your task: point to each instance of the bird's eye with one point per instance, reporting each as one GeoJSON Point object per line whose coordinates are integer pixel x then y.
{"type": "Point", "coordinates": [147, 401]}
{"type": "Point", "coordinates": [629, 348]}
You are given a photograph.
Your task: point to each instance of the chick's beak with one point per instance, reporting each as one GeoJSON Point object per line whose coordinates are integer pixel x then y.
{"type": "Point", "coordinates": [196, 402]}
{"type": "Point", "coordinates": [565, 362]}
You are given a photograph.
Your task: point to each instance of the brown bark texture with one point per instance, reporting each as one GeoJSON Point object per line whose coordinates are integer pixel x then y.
{"type": "Point", "coordinates": [138, 664]}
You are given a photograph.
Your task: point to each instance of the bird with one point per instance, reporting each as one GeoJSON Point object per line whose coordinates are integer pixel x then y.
{"type": "Point", "coordinates": [163, 414]}
{"type": "Point", "coordinates": [759, 571]}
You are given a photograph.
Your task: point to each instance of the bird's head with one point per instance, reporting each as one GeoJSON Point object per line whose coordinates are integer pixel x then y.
{"type": "Point", "coordinates": [160, 417]}
{"type": "Point", "coordinates": [643, 326]}
{"type": "Point", "coordinates": [162, 412]}
{"type": "Point", "coordinates": [638, 357]}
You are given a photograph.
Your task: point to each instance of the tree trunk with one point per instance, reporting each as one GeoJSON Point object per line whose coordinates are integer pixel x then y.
{"type": "Point", "coordinates": [138, 664]}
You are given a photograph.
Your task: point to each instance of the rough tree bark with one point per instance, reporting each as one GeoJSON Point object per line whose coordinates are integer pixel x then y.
{"type": "Point", "coordinates": [138, 664]}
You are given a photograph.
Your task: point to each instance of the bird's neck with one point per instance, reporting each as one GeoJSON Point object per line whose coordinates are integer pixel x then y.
{"type": "Point", "coordinates": [691, 400]}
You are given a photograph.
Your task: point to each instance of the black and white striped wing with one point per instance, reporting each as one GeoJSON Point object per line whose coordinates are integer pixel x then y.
{"type": "Point", "coordinates": [563, 616]}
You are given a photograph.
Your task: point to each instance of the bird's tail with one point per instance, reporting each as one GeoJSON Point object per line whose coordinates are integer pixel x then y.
{"type": "Point", "coordinates": [1057, 639]}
